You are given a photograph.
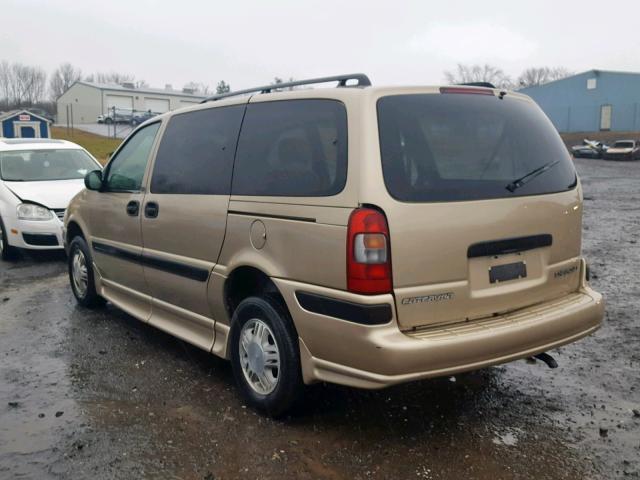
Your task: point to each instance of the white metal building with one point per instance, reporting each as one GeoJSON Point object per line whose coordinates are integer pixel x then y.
{"type": "Point", "coordinates": [84, 101]}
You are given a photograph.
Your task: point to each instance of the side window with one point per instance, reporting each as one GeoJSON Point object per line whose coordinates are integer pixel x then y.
{"type": "Point", "coordinates": [127, 168]}
{"type": "Point", "coordinates": [196, 152]}
{"type": "Point", "coordinates": [295, 148]}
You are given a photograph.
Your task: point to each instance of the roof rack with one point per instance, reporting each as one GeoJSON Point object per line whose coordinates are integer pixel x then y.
{"type": "Point", "coordinates": [361, 78]}
{"type": "Point", "coordinates": [478, 84]}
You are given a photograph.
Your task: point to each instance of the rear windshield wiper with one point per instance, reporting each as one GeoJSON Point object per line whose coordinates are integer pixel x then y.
{"type": "Point", "coordinates": [519, 182]}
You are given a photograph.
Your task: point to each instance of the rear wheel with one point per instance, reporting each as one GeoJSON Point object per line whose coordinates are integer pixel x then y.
{"type": "Point", "coordinates": [81, 274]}
{"type": "Point", "coordinates": [265, 356]}
{"type": "Point", "coordinates": [7, 252]}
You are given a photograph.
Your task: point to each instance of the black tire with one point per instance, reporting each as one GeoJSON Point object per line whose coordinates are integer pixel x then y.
{"type": "Point", "coordinates": [7, 252]}
{"type": "Point", "coordinates": [89, 298]}
{"type": "Point", "coordinates": [289, 386]}
{"type": "Point", "coordinates": [108, 120]}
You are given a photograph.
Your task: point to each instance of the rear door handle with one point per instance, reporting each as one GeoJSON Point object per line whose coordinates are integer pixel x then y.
{"type": "Point", "coordinates": [133, 207]}
{"type": "Point", "coordinates": [151, 210]}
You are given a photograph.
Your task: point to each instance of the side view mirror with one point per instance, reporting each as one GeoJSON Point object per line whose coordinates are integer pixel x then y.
{"type": "Point", "coordinates": [93, 180]}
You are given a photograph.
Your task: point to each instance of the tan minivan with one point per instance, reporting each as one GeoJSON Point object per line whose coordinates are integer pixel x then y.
{"type": "Point", "coordinates": [356, 235]}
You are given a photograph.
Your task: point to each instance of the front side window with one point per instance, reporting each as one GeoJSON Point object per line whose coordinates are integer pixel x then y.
{"type": "Point", "coordinates": [43, 165]}
{"type": "Point", "coordinates": [126, 169]}
{"type": "Point", "coordinates": [195, 155]}
{"type": "Point", "coordinates": [292, 148]}
{"type": "Point", "coordinates": [458, 147]}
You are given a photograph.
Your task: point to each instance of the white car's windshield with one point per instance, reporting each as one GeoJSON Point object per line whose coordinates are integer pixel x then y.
{"type": "Point", "coordinates": [623, 144]}
{"type": "Point", "coordinates": [40, 165]}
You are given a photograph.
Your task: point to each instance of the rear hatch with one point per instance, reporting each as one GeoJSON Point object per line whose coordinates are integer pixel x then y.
{"type": "Point", "coordinates": [484, 210]}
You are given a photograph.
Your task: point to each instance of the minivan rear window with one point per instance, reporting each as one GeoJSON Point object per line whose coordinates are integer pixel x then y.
{"type": "Point", "coordinates": [292, 148]}
{"type": "Point", "coordinates": [457, 147]}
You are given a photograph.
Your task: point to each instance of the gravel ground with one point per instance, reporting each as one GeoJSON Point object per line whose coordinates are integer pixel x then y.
{"type": "Point", "coordinates": [96, 394]}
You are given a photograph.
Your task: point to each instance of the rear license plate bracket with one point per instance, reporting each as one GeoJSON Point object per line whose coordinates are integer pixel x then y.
{"type": "Point", "coordinates": [508, 271]}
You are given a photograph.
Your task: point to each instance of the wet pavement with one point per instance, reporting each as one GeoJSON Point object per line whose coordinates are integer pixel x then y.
{"type": "Point", "coordinates": [97, 394]}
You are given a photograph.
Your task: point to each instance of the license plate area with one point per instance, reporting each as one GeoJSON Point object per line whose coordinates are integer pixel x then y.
{"type": "Point", "coordinates": [508, 271]}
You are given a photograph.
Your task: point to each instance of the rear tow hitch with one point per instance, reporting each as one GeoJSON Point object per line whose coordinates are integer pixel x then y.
{"type": "Point", "coordinates": [546, 358]}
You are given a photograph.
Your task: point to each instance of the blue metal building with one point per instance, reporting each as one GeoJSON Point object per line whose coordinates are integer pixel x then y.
{"type": "Point", "coordinates": [591, 101]}
{"type": "Point", "coordinates": [23, 124]}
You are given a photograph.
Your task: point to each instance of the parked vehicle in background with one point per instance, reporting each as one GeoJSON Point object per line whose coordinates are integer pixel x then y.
{"type": "Point", "coordinates": [38, 177]}
{"type": "Point", "coordinates": [119, 115]}
{"type": "Point", "coordinates": [623, 150]}
{"type": "Point", "coordinates": [141, 117]}
{"type": "Point", "coordinates": [361, 236]}
{"type": "Point", "coordinates": [589, 149]}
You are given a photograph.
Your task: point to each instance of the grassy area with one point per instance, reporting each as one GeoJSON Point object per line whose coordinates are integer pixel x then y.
{"type": "Point", "coordinates": [97, 145]}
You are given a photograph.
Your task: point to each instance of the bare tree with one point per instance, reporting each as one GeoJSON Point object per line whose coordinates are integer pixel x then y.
{"type": "Point", "coordinates": [62, 78]}
{"type": "Point", "coordinates": [37, 85]}
{"type": "Point", "coordinates": [223, 87]}
{"type": "Point", "coordinates": [541, 75]}
{"type": "Point", "coordinates": [113, 78]}
{"type": "Point", "coordinates": [478, 73]}
{"type": "Point", "coordinates": [5, 82]}
{"type": "Point", "coordinates": [21, 85]}
{"type": "Point", "coordinates": [197, 87]}
{"type": "Point", "coordinates": [278, 80]}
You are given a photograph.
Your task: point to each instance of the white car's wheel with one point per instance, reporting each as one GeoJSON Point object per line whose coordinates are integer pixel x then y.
{"type": "Point", "coordinates": [7, 252]}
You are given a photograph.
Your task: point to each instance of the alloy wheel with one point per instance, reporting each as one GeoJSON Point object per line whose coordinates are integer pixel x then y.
{"type": "Point", "coordinates": [79, 272]}
{"type": "Point", "coordinates": [259, 356]}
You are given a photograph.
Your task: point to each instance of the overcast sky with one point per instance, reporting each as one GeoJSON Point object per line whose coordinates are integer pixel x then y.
{"type": "Point", "coordinates": [249, 42]}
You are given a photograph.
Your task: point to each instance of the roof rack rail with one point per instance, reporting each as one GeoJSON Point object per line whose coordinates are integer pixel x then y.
{"type": "Point", "coordinates": [361, 78]}
{"type": "Point", "coordinates": [478, 84]}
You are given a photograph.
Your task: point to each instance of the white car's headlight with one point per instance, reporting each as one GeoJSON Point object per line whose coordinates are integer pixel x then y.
{"type": "Point", "coordinates": [31, 211]}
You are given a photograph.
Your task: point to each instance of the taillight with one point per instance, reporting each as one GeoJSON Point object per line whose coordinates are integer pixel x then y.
{"type": "Point", "coordinates": [368, 253]}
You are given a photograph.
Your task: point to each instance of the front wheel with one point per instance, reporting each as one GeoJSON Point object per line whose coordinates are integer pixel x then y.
{"type": "Point", "coordinates": [7, 252]}
{"type": "Point", "coordinates": [265, 356]}
{"type": "Point", "coordinates": [81, 274]}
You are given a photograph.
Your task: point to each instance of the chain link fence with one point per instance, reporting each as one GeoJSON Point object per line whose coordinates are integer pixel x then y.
{"type": "Point", "coordinates": [114, 123]}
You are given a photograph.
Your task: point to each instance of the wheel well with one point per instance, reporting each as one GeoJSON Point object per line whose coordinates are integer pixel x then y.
{"type": "Point", "coordinates": [73, 230]}
{"type": "Point", "coordinates": [248, 282]}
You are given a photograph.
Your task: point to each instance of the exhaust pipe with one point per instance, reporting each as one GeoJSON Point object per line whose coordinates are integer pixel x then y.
{"type": "Point", "coordinates": [546, 358]}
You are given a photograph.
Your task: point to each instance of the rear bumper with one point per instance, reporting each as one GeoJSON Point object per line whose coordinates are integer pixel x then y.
{"type": "Point", "coordinates": [365, 356]}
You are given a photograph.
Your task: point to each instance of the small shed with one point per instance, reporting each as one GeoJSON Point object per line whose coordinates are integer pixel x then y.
{"type": "Point", "coordinates": [23, 124]}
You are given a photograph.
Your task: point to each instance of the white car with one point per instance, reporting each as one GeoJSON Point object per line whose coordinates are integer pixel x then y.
{"type": "Point", "coordinates": [38, 178]}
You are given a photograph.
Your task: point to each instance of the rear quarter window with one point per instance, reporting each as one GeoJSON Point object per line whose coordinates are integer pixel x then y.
{"type": "Point", "coordinates": [292, 148]}
{"type": "Point", "coordinates": [457, 147]}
